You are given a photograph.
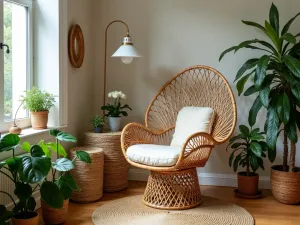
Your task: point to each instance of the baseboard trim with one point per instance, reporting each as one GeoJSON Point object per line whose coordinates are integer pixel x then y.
{"type": "Point", "coordinates": [213, 179]}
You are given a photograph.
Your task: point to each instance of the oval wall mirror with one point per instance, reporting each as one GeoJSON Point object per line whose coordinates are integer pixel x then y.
{"type": "Point", "coordinates": [76, 46]}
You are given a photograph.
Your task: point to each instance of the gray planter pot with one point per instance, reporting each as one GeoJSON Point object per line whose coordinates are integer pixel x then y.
{"type": "Point", "coordinates": [114, 123]}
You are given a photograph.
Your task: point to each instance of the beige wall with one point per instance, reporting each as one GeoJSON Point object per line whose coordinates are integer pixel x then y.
{"type": "Point", "coordinates": [175, 34]}
{"type": "Point", "coordinates": [80, 81]}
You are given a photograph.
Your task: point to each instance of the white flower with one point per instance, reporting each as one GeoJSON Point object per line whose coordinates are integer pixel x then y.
{"type": "Point", "coordinates": [123, 96]}
{"type": "Point", "coordinates": [117, 94]}
{"type": "Point", "coordinates": [110, 94]}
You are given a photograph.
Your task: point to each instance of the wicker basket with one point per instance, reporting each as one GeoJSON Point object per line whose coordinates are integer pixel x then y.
{"type": "Point", "coordinates": [89, 177]}
{"type": "Point", "coordinates": [285, 186]}
{"type": "Point", "coordinates": [54, 216]}
{"type": "Point", "coordinates": [115, 165]}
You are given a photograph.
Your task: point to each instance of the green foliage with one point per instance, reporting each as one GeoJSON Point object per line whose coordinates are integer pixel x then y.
{"type": "Point", "coordinates": [23, 171]}
{"type": "Point", "coordinates": [36, 100]}
{"type": "Point", "coordinates": [98, 121]}
{"type": "Point", "coordinates": [248, 149]}
{"type": "Point", "coordinates": [60, 188]}
{"type": "Point", "coordinates": [116, 109]}
{"type": "Point", "coordinates": [276, 76]}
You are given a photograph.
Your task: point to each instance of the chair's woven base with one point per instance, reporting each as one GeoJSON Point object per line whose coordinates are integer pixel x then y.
{"type": "Point", "coordinates": [173, 190]}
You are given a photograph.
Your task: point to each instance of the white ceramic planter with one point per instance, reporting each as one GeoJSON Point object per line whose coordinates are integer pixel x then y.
{"type": "Point", "coordinates": [114, 123]}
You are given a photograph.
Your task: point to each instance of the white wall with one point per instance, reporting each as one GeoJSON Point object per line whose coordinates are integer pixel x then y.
{"type": "Point", "coordinates": [175, 34]}
{"type": "Point", "coordinates": [81, 81]}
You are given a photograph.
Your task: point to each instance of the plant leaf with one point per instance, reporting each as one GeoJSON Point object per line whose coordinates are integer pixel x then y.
{"type": "Point", "coordinates": [274, 18]}
{"type": "Point", "coordinates": [257, 105]}
{"type": "Point", "coordinates": [241, 83]}
{"type": "Point", "coordinates": [66, 137]}
{"type": "Point", "coordinates": [291, 130]}
{"type": "Point", "coordinates": [296, 91]}
{"type": "Point", "coordinates": [289, 38]}
{"type": "Point", "coordinates": [251, 90]}
{"type": "Point", "coordinates": [226, 51]}
{"type": "Point", "coordinates": [9, 142]}
{"type": "Point", "coordinates": [54, 132]}
{"type": "Point", "coordinates": [31, 203]}
{"type": "Point", "coordinates": [261, 70]}
{"type": "Point", "coordinates": [63, 165]}
{"type": "Point", "coordinates": [45, 148]}
{"type": "Point", "coordinates": [26, 147]}
{"type": "Point", "coordinates": [260, 163]}
{"type": "Point", "coordinates": [83, 156]}
{"type": "Point", "coordinates": [272, 34]}
{"type": "Point", "coordinates": [264, 95]}
{"type": "Point", "coordinates": [61, 151]}
{"type": "Point", "coordinates": [283, 108]}
{"type": "Point", "coordinates": [256, 148]}
{"type": "Point", "coordinates": [36, 151]}
{"type": "Point", "coordinates": [293, 64]}
{"type": "Point", "coordinates": [51, 194]}
{"type": "Point", "coordinates": [244, 130]}
{"type": "Point", "coordinates": [272, 127]}
{"type": "Point", "coordinates": [236, 162]}
{"type": "Point", "coordinates": [254, 163]}
{"type": "Point", "coordinates": [23, 191]}
{"type": "Point", "coordinates": [14, 164]}
{"type": "Point", "coordinates": [253, 24]}
{"type": "Point", "coordinates": [66, 185]}
{"type": "Point", "coordinates": [35, 169]}
{"type": "Point", "coordinates": [271, 154]}
{"type": "Point", "coordinates": [287, 26]}
{"type": "Point", "coordinates": [247, 66]}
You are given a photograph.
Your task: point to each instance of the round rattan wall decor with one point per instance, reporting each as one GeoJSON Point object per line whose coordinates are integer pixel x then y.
{"type": "Point", "coordinates": [76, 46]}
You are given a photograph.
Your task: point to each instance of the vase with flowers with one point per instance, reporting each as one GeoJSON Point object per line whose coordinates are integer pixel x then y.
{"type": "Point", "coordinates": [116, 110]}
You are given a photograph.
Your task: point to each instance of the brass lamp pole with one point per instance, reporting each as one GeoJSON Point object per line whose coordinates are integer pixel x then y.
{"type": "Point", "coordinates": [126, 52]}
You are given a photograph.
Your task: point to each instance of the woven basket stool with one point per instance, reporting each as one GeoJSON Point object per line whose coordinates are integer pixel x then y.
{"type": "Point", "coordinates": [115, 167]}
{"type": "Point", "coordinates": [89, 177]}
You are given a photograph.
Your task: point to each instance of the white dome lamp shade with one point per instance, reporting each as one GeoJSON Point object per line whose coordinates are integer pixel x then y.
{"type": "Point", "coordinates": [127, 51]}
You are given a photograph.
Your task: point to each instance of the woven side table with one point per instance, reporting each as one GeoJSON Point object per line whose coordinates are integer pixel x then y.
{"type": "Point", "coordinates": [89, 177]}
{"type": "Point", "coordinates": [115, 165]}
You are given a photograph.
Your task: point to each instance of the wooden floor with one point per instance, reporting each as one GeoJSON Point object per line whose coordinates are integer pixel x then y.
{"type": "Point", "coordinates": [266, 211]}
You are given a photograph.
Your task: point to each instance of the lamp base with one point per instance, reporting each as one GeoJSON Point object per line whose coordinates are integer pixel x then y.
{"type": "Point", "coordinates": [15, 130]}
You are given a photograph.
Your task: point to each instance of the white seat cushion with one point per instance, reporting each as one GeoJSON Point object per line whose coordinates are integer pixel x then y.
{"type": "Point", "coordinates": [153, 155]}
{"type": "Point", "coordinates": [191, 120]}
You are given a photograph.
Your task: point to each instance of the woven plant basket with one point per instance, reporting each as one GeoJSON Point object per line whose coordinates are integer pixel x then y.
{"type": "Point", "coordinates": [89, 177]}
{"type": "Point", "coordinates": [115, 165]}
{"type": "Point", "coordinates": [54, 216]}
{"type": "Point", "coordinates": [285, 185]}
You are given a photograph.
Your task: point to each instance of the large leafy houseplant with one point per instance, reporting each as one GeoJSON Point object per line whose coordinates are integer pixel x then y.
{"type": "Point", "coordinates": [24, 171]}
{"type": "Point", "coordinates": [59, 188]}
{"type": "Point", "coordinates": [248, 151]}
{"type": "Point", "coordinates": [276, 77]}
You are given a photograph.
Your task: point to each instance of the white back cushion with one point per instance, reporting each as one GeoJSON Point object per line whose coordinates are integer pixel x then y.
{"type": "Point", "coordinates": [191, 120]}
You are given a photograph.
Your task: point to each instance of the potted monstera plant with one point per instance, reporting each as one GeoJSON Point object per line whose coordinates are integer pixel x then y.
{"type": "Point", "coordinates": [38, 103]}
{"type": "Point", "coordinates": [276, 77]}
{"type": "Point", "coordinates": [248, 151]}
{"type": "Point", "coordinates": [25, 172]}
{"type": "Point", "coordinates": [55, 192]}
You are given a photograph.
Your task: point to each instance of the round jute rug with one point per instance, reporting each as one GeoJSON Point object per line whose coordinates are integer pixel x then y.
{"type": "Point", "coordinates": [131, 211]}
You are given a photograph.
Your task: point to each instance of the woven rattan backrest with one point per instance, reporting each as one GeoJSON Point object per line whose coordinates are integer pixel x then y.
{"type": "Point", "coordinates": [200, 86]}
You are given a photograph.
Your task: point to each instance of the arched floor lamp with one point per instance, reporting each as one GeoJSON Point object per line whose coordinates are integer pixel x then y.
{"type": "Point", "coordinates": [126, 52]}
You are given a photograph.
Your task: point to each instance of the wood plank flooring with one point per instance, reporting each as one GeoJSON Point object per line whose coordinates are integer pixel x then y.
{"type": "Point", "coordinates": [266, 211]}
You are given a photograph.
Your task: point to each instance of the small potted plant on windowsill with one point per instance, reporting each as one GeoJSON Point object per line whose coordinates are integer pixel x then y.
{"type": "Point", "coordinates": [98, 123]}
{"type": "Point", "coordinates": [115, 110]}
{"type": "Point", "coordinates": [248, 150]}
{"type": "Point", "coordinates": [55, 192]}
{"type": "Point", "coordinates": [24, 171]}
{"type": "Point", "coordinates": [38, 103]}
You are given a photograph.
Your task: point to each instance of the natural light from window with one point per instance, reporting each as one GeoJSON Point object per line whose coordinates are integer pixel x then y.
{"type": "Point", "coordinates": [15, 63]}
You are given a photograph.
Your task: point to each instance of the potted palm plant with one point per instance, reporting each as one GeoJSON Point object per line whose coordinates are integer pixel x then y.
{"type": "Point", "coordinates": [115, 110]}
{"type": "Point", "coordinates": [25, 172]}
{"type": "Point", "coordinates": [277, 86]}
{"type": "Point", "coordinates": [98, 123]}
{"type": "Point", "coordinates": [248, 149]}
{"type": "Point", "coordinates": [38, 103]}
{"type": "Point", "coordinates": [55, 193]}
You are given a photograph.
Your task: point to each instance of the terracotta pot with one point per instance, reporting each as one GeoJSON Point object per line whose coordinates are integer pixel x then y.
{"type": "Point", "coordinates": [285, 185]}
{"type": "Point", "coordinates": [39, 120]}
{"type": "Point", "coordinates": [54, 216]}
{"type": "Point", "coordinates": [248, 185]}
{"type": "Point", "coordinates": [32, 220]}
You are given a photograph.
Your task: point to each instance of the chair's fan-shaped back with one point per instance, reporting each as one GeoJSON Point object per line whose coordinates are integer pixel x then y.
{"type": "Point", "coordinates": [200, 86]}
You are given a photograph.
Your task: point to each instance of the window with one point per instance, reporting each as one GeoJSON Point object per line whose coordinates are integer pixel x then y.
{"type": "Point", "coordinates": [15, 60]}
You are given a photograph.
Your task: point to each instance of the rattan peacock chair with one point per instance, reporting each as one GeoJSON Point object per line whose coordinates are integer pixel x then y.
{"type": "Point", "coordinates": [177, 186]}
